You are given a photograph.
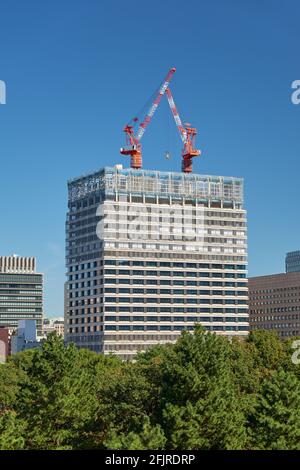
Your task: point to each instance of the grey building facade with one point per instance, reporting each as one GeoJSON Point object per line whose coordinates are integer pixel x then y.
{"type": "Point", "coordinates": [151, 253]}
{"type": "Point", "coordinates": [21, 291]}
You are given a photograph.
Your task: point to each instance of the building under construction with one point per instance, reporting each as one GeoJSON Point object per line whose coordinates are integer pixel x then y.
{"type": "Point", "coordinates": [151, 253]}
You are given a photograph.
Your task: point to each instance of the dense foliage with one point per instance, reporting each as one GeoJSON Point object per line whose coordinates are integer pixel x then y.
{"type": "Point", "coordinates": [203, 392]}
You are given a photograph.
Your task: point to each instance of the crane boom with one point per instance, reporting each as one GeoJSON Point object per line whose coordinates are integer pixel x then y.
{"type": "Point", "coordinates": [187, 134]}
{"type": "Point", "coordinates": [176, 116]}
{"type": "Point", "coordinates": [154, 106]}
{"type": "Point", "coordinates": [133, 144]}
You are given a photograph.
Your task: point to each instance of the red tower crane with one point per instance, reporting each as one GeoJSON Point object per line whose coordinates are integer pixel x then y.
{"type": "Point", "coordinates": [187, 134]}
{"type": "Point", "coordinates": [133, 141]}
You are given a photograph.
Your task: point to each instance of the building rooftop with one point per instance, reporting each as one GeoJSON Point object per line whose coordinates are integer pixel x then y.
{"type": "Point", "coordinates": [17, 264]}
{"type": "Point", "coordinates": [162, 183]}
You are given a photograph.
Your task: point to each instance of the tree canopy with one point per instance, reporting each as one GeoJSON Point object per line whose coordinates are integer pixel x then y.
{"type": "Point", "coordinates": [202, 392]}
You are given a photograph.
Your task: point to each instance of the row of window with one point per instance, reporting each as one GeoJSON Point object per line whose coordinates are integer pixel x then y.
{"type": "Point", "coordinates": [157, 282]}
{"type": "Point", "coordinates": [274, 318]}
{"type": "Point", "coordinates": [276, 310]}
{"type": "Point", "coordinates": [151, 318]}
{"type": "Point", "coordinates": [127, 272]}
{"type": "Point", "coordinates": [146, 310]}
{"type": "Point", "coordinates": [20, 286]}
{"type": "Point", "coordinates": [186, 247]}
{"type": "Point", "coordinates": [21, 278]}
{"type": "Point", "coordinates": [89, 274]}
{"type": "Point", "coordinates": [112, 290]}
{"type": "Point", "coordinates": [179, 300]}
{"type": "Point", "coordinates": [155, 264]}
{"type": "Point", "coordinates": [167, 264]}
{"type": "Point", "coordinates": [20, 304]}
{"type": "Point", "coordinates": [176, 319]}
{"type": "Point", "coordinates": [159, 328]}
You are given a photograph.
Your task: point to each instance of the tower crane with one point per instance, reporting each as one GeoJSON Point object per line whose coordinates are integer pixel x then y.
{"type": "Point", "coordinates": [187, 134]}
{"type": "Point", "coordinates": [186, 131]}
{"type": "Point", "coordinates": [133, 141]}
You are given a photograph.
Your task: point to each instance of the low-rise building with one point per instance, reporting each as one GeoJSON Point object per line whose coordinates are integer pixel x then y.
{"type": "Point", "coordinates": [25, 337]}
{"type": "Point", "coordinates": [53, 324]}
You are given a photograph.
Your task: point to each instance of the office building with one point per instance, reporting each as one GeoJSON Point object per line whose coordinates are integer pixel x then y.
{"type": "Point", "coordinates": [274, 303]}
{"type": "Point", "coordinates": [150, 254]}
{"type": "Point", "coordinates": [21, 291]}
{"type": "Point", "coordinates": [292, 262]}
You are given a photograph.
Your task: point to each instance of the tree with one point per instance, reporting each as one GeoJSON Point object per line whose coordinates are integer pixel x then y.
{"type": "Point", "coordinates": [150, 438]}
{"type": "Point", "coordinates": [9, 378]}
{"type": "Point", "coordinates": [269, 353]}
{"type": "Point", "coordinates": [11, 432]}
{"type": "Point", "coordinates": [202, 408]}
{"type": "Point", "coordinates": [275, 423]}
{"type": "Point", "coordinates": [55, 398]}
{"type": "Point", "coordinates": [123, 399]}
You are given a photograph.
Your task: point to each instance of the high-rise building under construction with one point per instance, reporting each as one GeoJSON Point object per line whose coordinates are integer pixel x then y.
{"type": "Point", "coordinates": [150, 254]}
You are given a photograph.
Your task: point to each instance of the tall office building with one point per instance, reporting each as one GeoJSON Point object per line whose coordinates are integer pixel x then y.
{"type": "Point", "coordinates": [292, 262]}
{"type": "Point", "coordinates": [274, 303]}
{"type": "Point", "coordinates": [21, 291]}
{"type": "Point", "coordinates": [150, 254]}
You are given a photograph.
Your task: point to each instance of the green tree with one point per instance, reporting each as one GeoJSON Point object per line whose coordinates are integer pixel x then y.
{"type": "Point", "coordinates": [201, 405]}
{"type": "Point", "coordinates": [11, 432]}
{"type": "Point", "coordinates": [269, 352]}
{"type": "Point", "coordinates": [275, 423]}
{"type": "Point", "coordinates": [123, 399]}
{"type": "Point", "coordinates": [55, 397]}
{"type": "Point", "coordinates": [150, 438]}
{"type": "Point", "coordinates": [9, 379]}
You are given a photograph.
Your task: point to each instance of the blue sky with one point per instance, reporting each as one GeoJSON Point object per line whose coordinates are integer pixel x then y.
{"type": "Point", "coordinates": [76, 71]}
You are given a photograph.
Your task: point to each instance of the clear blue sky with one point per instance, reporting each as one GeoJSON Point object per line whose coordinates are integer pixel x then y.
{"type": "Point", "coordinates": [77, 70]}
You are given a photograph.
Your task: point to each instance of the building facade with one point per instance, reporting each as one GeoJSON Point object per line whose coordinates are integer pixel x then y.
{"type": "Point", "coordinates": [274, 303]}
{"type": "Point", "coordinates": [292, 262]}
{"type": "Point", "coordinates": [53, 324]}
{"type": "Point", "coordinates": [21, 291]}
{"type": "Point", "coordinates": [150, 254]}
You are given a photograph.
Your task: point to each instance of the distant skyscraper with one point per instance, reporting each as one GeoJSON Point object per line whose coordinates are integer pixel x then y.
{"type": "Point", "coordinates": [150, 254]}
{"type": "Point", "coordinates": [292, 262]}
{"type": "Point", "coordinates": [21, 291]}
